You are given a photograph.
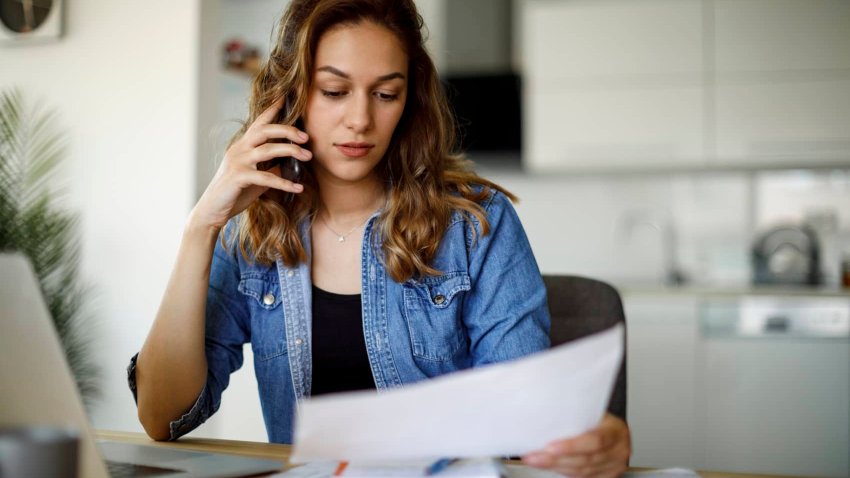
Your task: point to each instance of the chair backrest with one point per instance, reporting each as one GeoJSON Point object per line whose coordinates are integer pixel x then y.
{"type": "Point", "coordinates": [580, 306]}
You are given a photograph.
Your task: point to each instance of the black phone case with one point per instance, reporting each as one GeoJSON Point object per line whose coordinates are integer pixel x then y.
{"type": "Point", "coordinates": [290, 168]}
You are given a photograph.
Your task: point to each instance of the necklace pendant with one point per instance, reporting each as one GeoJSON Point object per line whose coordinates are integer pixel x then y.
{"type": "Point", "coordinates": [341, 239]}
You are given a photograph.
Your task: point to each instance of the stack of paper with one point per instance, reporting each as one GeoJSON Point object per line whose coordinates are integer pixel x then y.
{"type": "Point", "coordinates": [505, 409]}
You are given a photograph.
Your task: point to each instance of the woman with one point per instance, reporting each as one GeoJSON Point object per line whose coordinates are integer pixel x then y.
{"type": "Point", "coordinates": [388, 262]}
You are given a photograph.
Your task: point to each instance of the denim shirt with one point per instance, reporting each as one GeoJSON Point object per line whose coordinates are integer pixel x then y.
{"type": "Point", "coordinates": [487, 305]}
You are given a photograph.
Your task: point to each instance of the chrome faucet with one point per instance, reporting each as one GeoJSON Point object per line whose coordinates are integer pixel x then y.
{"type": "Point", "coordinates": [663, 223]}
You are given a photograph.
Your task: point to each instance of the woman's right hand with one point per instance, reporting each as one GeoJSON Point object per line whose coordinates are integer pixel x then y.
{"type": "Point", "coordinates": [238, 182]}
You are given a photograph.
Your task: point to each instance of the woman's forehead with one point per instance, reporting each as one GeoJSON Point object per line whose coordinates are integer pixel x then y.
{"type": "Point", "coordinates": [361, 51]}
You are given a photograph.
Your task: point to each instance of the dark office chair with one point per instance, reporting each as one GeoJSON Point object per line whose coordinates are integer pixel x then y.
{"type": "Point", "coordinates": [579, 307]}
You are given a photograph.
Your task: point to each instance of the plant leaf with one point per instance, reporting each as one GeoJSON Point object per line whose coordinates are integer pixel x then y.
{"type": "Point", "coordinates": [30, 152]}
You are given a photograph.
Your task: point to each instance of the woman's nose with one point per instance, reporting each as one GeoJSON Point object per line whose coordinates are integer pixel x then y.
{"type": "Point", "coordinates": [358, 115]}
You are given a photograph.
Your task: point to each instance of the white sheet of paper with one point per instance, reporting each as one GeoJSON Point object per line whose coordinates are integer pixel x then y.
{"type": "Point", "coordinates": [321, 469]}
{"type": "Point", "coordinates": [499, 410]}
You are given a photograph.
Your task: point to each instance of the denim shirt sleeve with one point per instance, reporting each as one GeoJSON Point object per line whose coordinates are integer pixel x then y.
{"type": "Point", "coordinates": [227, 331]}
{"type": "Point", "coordinates": [188, 421]}
{"type": "Point", "coordinates": [506, 314]}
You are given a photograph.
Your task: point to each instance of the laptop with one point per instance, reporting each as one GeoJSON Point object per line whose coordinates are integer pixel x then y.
{"type": "Point", "coordinates": [38, 389]}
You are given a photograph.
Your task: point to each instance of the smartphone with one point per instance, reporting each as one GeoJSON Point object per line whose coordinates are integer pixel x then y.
{"type": "Point", "coordinates": [290, 168]}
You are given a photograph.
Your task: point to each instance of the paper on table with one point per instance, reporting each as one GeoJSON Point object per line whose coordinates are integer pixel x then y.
{"type": "Point", "coordinates": [522, 471]}
{"type": "Point", "coordinates": [503, 409]}
{"type": "Point", "coordinates": [325, 470]}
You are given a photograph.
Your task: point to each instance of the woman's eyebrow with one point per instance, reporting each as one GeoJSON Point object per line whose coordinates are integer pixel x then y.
{"type": "Point", "coordinates": [342, 74]}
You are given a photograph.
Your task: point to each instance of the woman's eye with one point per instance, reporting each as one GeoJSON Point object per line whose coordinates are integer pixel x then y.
{"type": "Point", "coordinates": [386, 96]}
{"type": "Point", "coordinates": [332, 93]}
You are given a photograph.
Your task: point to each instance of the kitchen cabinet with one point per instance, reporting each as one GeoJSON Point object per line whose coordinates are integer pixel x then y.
{"type": "Point", "coordinates": [782, 82]}
{"type": "Point", "coordinates": [662, 334]}
{"type": "Point", "coordinates": [685, 84]}
{"type": "Point", "coordinates": [593, 40]}
{"type": "Point", "coordinates": [612, 85]}
{"type": "Point", "coordinates": [739, 382]}
{"type": "Point", "coordinates": [781, 36]}
{"type": "Point", "coordinates": [773, 381]}
{"type": "Point", "coordinates": [578, 129]}
{"type": "Point", "coordinates": [800, 123]}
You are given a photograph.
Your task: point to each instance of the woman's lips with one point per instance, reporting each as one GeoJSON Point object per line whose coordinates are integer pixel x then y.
{"type": "Point", "coordinates": [355, 150]}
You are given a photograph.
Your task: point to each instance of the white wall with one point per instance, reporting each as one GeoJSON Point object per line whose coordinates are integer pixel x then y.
{"type": "Point", "coordinates": [580, 224]}
{"type": "Point", "coordinates": [123, 81]}
{"type": "Point", "coordinates": [576, 223]}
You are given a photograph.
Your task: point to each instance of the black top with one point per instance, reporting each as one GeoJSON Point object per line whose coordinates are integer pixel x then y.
{"type": "Point", "coordinates": [340, 362]}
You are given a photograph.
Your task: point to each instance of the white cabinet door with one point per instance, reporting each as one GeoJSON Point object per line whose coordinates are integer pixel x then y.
{"type": "Point", "coordinates": [783, 123]}
{"type": "Point", "coordinates": [608, 41]}
{"type": "Point", "coordinates": [612, 85]}
{"type": "Point", "coordinates": [776, 407]}
{"type": "Point", "coordinates": [598, 129]}
{"type": "Point", "coordinates": [782, 82]}
{"type": "Point", "coordinates": [781, 36]}
{"type": "Point", "coordinates": [661, 358]}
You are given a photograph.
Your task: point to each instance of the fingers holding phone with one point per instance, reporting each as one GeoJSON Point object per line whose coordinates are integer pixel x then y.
{"type": "Point", "coordinates": [244, 173]}
{"type": "Point", "coordinates": [289, 167]}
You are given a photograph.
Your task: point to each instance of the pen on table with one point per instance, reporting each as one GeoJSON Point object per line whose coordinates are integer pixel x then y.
{"type": "Point", "coordinates": [340, 468]}
{"type": "Point", "coordinates": [439, 465]}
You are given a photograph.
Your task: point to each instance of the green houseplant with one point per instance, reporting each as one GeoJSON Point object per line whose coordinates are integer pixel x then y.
{"type": "Point", "coordinates": [31, 223]}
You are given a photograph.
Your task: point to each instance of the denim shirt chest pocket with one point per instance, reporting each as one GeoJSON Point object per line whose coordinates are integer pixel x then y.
{"type": "Point", "coordinates": [268, 336]}
{"type": "Point", "coordinates": [433, 308]}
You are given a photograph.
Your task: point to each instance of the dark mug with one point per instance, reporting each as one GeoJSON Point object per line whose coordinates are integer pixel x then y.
{"type": "Point", "coordinates": [38, 451]}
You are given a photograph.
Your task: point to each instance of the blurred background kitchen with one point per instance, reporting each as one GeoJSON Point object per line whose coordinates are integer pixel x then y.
{"type": "Point", "coordinates": [694, 153]}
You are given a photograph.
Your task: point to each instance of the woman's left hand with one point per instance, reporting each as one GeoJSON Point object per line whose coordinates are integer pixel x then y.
{"type": "Point", "coordinates": [601, 452]}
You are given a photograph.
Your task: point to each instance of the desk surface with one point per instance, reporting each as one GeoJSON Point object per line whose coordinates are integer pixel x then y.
{"type": "Point", "coordinates": [281, 452]}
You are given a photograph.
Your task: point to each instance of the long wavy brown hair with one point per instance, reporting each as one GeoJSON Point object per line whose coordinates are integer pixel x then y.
{"type": "Point", "coordinates": [426, 178]}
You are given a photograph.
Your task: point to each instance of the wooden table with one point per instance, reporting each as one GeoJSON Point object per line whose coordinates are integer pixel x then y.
{"type": "Point", "coordinates": [281, 453]}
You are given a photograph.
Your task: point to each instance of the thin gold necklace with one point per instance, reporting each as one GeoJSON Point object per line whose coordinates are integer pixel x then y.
{"type": "Point", "coordinates": [341, 237]}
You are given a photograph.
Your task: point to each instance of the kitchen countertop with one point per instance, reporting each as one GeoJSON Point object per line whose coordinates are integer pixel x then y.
{"type": "Point", "coordinates": [704, 290]}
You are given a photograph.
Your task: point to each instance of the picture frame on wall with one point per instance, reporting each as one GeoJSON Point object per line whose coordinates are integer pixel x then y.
{"type": "Point", "coordinates": [30, 21]}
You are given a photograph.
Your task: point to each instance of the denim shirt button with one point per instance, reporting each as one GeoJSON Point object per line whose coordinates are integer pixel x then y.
{"type": "Point", "coordinates": [439, 299]}
{"type": "Point", "coordinates": [298, 341]}
{"type": "Point", "coordinates": [290, 273]}
{"type": "Point", "coordinates": [268, 299]}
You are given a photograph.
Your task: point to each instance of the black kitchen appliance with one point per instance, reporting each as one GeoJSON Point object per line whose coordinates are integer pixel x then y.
{"type": "Point", "coordinates": [787, 254]}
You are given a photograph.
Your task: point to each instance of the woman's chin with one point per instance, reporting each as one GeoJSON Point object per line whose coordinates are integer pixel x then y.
{"type": "Point", "coordinates": [350, 174]}
{"type": "Point", "coordinates": [350, 171]}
